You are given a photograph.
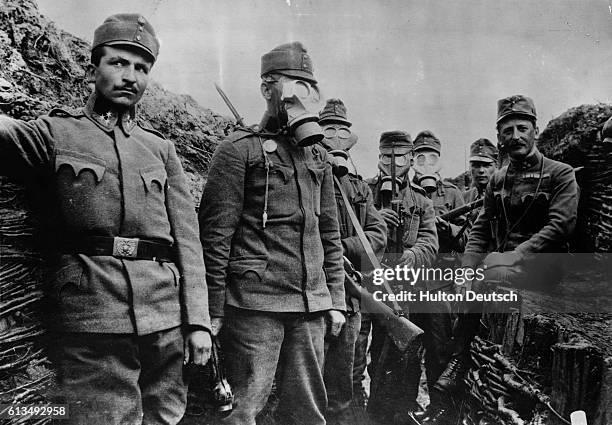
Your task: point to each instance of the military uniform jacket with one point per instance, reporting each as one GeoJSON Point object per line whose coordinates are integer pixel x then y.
{"type": "Point", "coordinates": [419, 232]}
{"type": "Point", "coordinates": [294, 262]}
{"type": "Point", "coordinates": [445, 198]}
{"type": "Point", "coordinates": [470, 196]}
{"type": "Point", "coordinates": [373, 225]}
{"type": "Point", "coordinates": [541, 200]}
{"type": "Point", "coordinates": [109, 177]}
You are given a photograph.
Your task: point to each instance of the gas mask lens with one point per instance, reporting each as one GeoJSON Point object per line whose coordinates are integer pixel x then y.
{"type": "Point", "coordinates": [400, 160]}
{"type": "Point", "coordinates": [302, 104]}
{"type": "Point", "coordinates": [427, 159]}
{"type": "Point", "coordinates": [340, 133]}
{"type": "Point", "coordinates": [303, 91]}
{"type": "Point", "coordinates": [427, 167]}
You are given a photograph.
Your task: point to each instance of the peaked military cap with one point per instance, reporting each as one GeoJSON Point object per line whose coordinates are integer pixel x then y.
{"type": "Point", "coordinates": [483, 150]}
{"type": "Point", "coordinates": [606, 131]}
{"type": "Point", "coordinates": [334, 111]}
{"type": "Point", "coordinates": [399, 141]}
{"type": "Point", "coordinates": [127, 28]}
{"type": "Point", "coordinates": [517, 105]}
{"type": "Point", "coordinates": [290, 59]}
{"type": "Point", "coordinates": [426, 140]}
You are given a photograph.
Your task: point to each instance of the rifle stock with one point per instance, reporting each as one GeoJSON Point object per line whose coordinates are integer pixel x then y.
{"type": "Point", "coordinates": [401, 330]}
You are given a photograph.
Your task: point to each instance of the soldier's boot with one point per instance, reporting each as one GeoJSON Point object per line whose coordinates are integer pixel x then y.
{"type": "Point", "coordinates": [441, 411]}
{"type": "Point", "coordinates": [452, 376]}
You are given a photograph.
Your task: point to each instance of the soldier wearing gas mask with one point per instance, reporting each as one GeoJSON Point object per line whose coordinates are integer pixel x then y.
{"type": "Point", "coordinates": [340, 350]}
{"type": "Point", "coordinates": [529, 213]}
{"type": "Point", "coordinates": [272, 248]}
{"type": "Point", "coordinates": [411, 241]}
{"type": "Point", "coordinates": [445, 196]}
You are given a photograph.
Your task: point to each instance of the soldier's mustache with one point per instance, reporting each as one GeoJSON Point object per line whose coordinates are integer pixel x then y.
{"type": "Point", "coordinates": [127, 88]}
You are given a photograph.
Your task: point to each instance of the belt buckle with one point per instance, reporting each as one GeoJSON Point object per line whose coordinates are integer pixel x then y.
{"type": "Point", "coordinates": [125, 247]}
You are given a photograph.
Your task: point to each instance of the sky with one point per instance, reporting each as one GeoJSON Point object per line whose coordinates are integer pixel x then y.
{"type": "Point", "coordinates": [409, 65]}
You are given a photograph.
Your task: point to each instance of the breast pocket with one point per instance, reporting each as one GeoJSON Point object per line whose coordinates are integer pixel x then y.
{"type": "Point", "coordinates": [154, 180]}
{"type": "Point", "coordinates": [82, 188]}
{"type": "Point", "coordinates": [317, 172]}
{"type": "Point", "coordinates": [537, 205]}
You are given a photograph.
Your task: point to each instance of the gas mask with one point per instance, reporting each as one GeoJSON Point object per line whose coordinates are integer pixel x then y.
{"type": "Point", "coordinates": [427, 168]}
{"type": "Point", "coordinates": [338, 136]}
{"type": "Point", "coordinates": [339, 161]}
{"type": "Point", "coordinates": [302, 103]}
{"type": "Point", "coordinates": [386, 186]}
{"type": "Point", "coordinates": [402, 164]}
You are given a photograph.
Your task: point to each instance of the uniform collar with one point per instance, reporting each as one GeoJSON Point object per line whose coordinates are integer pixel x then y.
{"type": "Point", "coordinates": [530, 161]}
{"type": "Point", "coordinates": [106, 117]}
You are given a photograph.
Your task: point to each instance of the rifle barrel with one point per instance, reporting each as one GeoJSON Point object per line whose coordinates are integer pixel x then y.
{"type": "Point", "coordinates": [462, 209]}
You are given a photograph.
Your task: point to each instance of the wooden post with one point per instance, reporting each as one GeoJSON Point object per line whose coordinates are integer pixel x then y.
{"type": "Point", "coordinates": [576, 377]}
{"type": "Point", "coordinates": [603, 414]}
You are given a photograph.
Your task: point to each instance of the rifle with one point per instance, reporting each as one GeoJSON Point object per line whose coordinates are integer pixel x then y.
{"type": "Point", "coordinates": [401, 330]}
{"type": "Point", "coordinates": [452, 214]}
{"type": "Point", "coordinates": [395, 203]}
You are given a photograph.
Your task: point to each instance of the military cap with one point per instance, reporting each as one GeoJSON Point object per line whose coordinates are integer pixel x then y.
{"type": "Point", "coordinates": [290, 59]}
{"type": "Point", "coordinates": [483, 150]}
{"type": "Point", "coordinates": [398, 141]}
{"type": "Point", "coordinates": [426, 140]}
{"type": "Point", "coordinates": [606, 131]}
{"type": "Point", "coordinates": [127, 28]}
{"type": "Point", "coordinates": [517, 105]}
{"type": "Point", "coordinates": [334, 111]}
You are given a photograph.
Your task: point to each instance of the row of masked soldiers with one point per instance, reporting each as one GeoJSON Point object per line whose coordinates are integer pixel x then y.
{"type": "Point", "coordinates": [139, 286]}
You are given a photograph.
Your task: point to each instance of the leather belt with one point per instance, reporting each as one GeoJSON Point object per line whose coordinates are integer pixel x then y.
{"type": "Point", "coordinates": [119, 247]}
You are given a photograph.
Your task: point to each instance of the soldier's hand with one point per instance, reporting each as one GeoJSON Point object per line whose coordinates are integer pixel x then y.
{"type": "Point", "coordinates": [407, 259]}
{"type": "Point", "coordinates": [390, 217]}
{"type": "Point", "coordinates": [501, 259]}
{"type": "Point", "coordinates": [442, 225]}
{"type": "Point", "coordinates": [216, 323]}
{"type": "Point", "coordinates": [197, 347]}
{"type": "Point", "coordinates": [336, 321]}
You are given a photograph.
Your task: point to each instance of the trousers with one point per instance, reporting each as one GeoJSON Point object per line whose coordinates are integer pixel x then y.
{"type": "Point", "coordinates": [338, 372]}
{"type": "Point", "coordinates": [255, 344]}
{"type": "Point", "coordinates": [121, 379]}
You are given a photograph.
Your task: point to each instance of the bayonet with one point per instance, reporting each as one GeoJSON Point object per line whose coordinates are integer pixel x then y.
{"type": "Point", "coordinates": [239, 119]}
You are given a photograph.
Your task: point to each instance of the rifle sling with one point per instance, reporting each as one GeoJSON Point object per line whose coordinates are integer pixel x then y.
{"type": "Point", "coordinates": [364, 241]}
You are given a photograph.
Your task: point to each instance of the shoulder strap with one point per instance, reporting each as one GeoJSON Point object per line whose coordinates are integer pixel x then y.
{"type": "Point", "coordinates": [364, 240]}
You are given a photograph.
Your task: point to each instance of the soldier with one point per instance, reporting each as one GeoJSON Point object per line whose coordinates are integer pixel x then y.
{"type": "Point", "coordinates": [483, 157]}
{"type": "Point", "coordinates": [444, 195]}
{"type": "Point", "coordinates": [272, 247]}
{"type": "Point", "coordinates": [417, 246]}
{"type": "Point", "coordinates": [340, 351]}
{"type": "Point", "coordinates": [530, 208]}
{"type": "Point", "coordinates": [129, 276]}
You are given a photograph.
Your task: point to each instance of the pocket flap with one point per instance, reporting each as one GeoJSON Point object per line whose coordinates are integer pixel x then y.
{"type": "Point", "coordinates": [79, 162]}
{"type": "Point", "coordinates": [240, 266]}
{"type": "Point", "coordinates": [156, 174]}
{"type": "Point", "coordinates": [317, 172]}
{"type": "Point", "coordinates": [284, 170]}
{"type": "Point", "coordinates": [542, 196]}
{"type": "Point", "coordinates": [68, 274]}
